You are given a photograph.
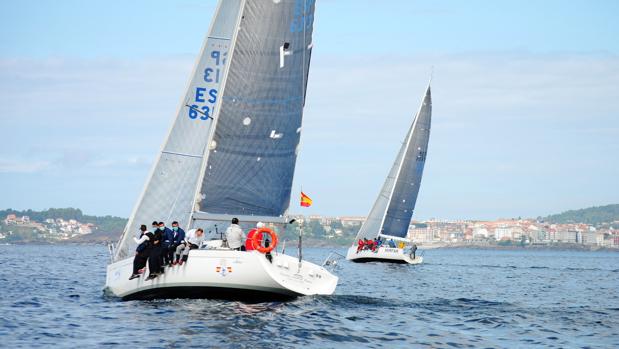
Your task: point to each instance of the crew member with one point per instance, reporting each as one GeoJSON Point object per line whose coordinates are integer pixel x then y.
{"type": "Point", "coordinates": [414, 251]}
{"type": "Point", "coordinates": [248, 243]}
{"type": "Point", "coordinates": [177, 238]}
{"type": "Point", "coordinates": [193, 240]}
{"type": "Point", "coordinates": [366, 244]}
{"type": "Point", "coordinates": [360, 245]}
{"type": "Point", "coordinates": [235, 236]}
{"type": "Point", "coordinates": [141, 252]}
{"type": "Point", "coordinates": [168, 240]}
{"type": "Point", "coordinates": [154, 257]}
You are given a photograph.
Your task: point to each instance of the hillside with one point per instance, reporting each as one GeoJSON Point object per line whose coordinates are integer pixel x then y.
{"type": "Point", "coordinates": [107, 224]}
{"type": "Point", "coordinates": [592, 215]}
{"type": "Point", "coordinates": [97, 237]}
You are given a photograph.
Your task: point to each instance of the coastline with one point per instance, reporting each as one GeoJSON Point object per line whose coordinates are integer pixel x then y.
{"type": "Point", "coordinates": [549, 247]}
{"type": "Point", "coordinates": [316, 243]}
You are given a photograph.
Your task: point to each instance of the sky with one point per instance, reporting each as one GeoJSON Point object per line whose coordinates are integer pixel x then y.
{"type": "Point", "coordinates": [525, 102]}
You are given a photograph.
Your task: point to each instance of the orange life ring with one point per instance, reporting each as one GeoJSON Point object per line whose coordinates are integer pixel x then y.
{"type": "Point", "coordinates": [256, 240]}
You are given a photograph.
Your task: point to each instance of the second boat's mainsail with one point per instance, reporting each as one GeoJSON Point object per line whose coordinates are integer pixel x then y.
{"type": "Point", "coordinates": [393, 209]}
{"type": "Point", "coordinates": [232, 147]}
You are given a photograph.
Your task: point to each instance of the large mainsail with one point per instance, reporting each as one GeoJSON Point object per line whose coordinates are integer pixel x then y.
{"type": "Point", "coordinates": [169, 192]}
{"type": "Point", "coordinates": [232, 147]}
{"type": "Point", "coordinates": [253, 150]}
{"type": "Point", "coordinates": [393, 209]}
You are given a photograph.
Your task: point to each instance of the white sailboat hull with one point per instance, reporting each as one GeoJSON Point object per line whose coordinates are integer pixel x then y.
{"type": "Point", "coordinates": [224, 274]}
{"type": "Point", "coordinates": [382, 254]}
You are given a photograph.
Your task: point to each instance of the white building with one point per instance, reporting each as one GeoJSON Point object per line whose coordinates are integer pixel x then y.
{"type": "Point", "coordinates": [84, 229]}
{"type": "Point", "coordinates": [480, 232]}
{"type": "Point", "coordinates": [592, 238]}
{"type": "Point", "coordinates": [421, 234]}
{"type": "Point", "coordinates": [10, 219]}
{"type": "Point", "coordinates": [352, 221]}
{"type": "Point", "coordinates": [567, 236]}
{"type": "Point", "coordinates": [503, 233]}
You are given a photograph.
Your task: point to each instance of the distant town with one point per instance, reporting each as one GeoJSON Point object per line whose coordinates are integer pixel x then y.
{"type": "Point", "coordinates": [51, 228]}
{"type": "Point", "coordinates": [341, 231]}
{"type": "Point", "coordinates": [502, 232]}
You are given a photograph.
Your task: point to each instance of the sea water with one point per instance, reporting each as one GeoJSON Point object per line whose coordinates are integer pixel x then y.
{"type": "Point", "coordinates": [52, 296]}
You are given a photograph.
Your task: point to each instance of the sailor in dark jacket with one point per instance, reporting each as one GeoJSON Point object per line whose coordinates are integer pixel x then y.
{"type": "Point", "coordinates": [154, 258]}
{"type": "Point", "coordinates": [141, 252]}
{"type": "Point", "coordinates": [168, 240]}
{"type": "Point", "coordinates": [178, 235]}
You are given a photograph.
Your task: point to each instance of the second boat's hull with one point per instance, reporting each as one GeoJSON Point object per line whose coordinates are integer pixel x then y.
{"type": "Point", "coordinates": [382, 254]}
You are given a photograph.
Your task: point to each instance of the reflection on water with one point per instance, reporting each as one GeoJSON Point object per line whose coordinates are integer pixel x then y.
{"type": "Point", "coordinates": [458, 298]}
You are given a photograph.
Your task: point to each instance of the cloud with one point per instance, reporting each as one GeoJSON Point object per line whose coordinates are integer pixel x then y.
{"type": "Point", "coordinates": [60, 91]}
{"type": "Point", "coordinates": [22, 167]}
{"type": "Point", "coordinates": [505, 125]}
{"type": "Point", "coordinates": [72, 161]}
{"type": "Point", "coordinates": [87, 115]}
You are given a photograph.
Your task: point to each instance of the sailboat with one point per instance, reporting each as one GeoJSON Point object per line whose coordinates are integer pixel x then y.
{"type": "Point", "coordinates": [231, 152]}
{"type": "Point", "coordinates": [392, 212]}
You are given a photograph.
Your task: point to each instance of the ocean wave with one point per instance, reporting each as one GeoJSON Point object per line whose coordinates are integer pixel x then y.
{"type": "Point", "coordinates": [494, 300]}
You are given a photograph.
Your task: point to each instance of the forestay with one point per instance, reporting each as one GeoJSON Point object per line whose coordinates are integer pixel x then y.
{"type": "Point", "coordinates": [393, 209]}
{"type": "Point", "coordinates": [169, 192]}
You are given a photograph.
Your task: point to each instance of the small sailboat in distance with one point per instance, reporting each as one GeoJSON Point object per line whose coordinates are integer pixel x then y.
{"type": "Point", "coordinates": [231, 152]}
{"type": "Point", "coordinates": [392, 212]}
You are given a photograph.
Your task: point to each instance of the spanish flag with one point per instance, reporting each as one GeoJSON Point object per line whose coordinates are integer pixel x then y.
{"type": "Point", "coordinates": [305, 200]}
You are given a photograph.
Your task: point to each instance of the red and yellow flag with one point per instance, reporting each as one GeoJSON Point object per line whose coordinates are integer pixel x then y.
{"type": "Point", "coordinates": [305, 200]}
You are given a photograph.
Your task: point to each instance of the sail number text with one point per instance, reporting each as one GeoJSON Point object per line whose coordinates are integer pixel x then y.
{"type": "Point", "coordinates": [212, 76]}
